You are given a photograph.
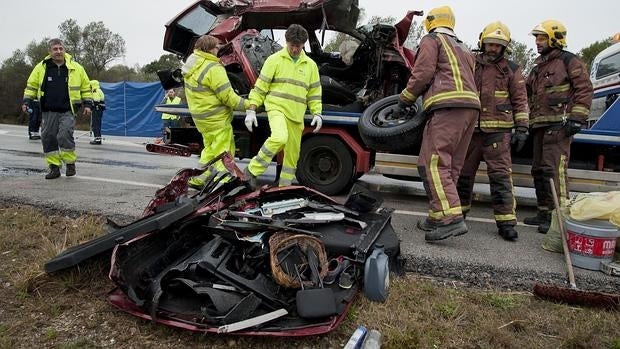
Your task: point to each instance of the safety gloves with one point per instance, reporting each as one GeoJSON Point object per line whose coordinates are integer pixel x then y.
{"type": "Point", "coordinates": [400, 108]}
{"type": "Point", "coordinates": [571, 127]}
{"type": "Point", "coordinates": [317, 121]}
{"type": "Point", "coordinates": [250, 119]}
{"type": "Point", "coordinates": [518, 138]}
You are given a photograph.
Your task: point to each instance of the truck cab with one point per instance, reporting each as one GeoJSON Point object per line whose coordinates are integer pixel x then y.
{"type": "Point", "coordinates": [605, 77]}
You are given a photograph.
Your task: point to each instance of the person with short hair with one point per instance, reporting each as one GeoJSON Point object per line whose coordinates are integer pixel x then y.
{"type": "Point", "coordinates": [62, 87]}
{"type": "Point", "coordinates": [211, 100]}
{"type": "Point", "coordinates": [170, 120]}
{"type": "Point", "coordinates": [288, 84]}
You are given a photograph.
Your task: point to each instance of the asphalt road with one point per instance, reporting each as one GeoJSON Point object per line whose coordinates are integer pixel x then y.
{"type": "Point", "coordinates": [118, 178]}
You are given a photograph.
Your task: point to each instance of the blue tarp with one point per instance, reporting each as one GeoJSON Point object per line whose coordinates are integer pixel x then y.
{"type": "Point", "coordinates": [130, 109]}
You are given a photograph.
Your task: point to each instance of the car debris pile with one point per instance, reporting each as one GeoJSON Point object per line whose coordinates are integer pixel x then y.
{"type": "Point", "coordinates": [277, 261]}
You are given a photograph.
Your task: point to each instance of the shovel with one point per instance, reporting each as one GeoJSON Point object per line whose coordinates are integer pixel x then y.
{"type": "Point", "coordinates": [573, 295]}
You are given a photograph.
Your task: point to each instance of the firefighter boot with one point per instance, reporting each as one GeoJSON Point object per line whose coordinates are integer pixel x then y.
{"type": "Point", "coordinates": [508, 232]}
{"type": "Point", "coordinates": [427, 224]}
{"type": "Point", "coordinates": [544, 227]}
{"type": "Point", "coordinates": [252, 180]}
{"type": "Point", "coordinates": [70, 170]}
{"type": "Point", "coordinates": [540, 218]}
{"type": "Point", "coordinates": [444, 231]}
{"type": "Point", "coordinates": [54, 172]}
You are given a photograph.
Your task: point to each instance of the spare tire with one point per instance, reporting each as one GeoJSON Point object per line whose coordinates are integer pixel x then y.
{"type": "Point", "coordinates": [382, 130]}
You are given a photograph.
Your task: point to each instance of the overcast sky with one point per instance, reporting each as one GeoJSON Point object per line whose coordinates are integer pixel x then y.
{"type": "Point", "coordinates": [141, 23]}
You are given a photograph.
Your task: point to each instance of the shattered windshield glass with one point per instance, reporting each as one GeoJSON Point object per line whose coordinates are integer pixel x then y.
{"type": "Point", "coordinates": [199, 21]}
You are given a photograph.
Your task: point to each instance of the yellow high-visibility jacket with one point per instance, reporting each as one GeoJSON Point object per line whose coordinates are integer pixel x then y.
{"type": "Point", "coordinates": [98, 95]}
{"type": "Point", "coordinates": [78, 85]}
{"type": "Point", "coordinates": [288, 86]}
{"type": "Point", "coordinates": [210, 96]}
{"type": "Point", "coordinates": [175, 100]}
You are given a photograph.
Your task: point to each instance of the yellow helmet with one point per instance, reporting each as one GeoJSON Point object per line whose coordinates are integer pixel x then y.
{"type": "Point", "coordinates": [439, 17]}
{"type": "Point", "coordinates": [555, 30]}
{"type": "Point", "coordinates": [495, 33]}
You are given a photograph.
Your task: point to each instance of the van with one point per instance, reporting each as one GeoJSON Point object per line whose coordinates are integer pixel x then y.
{"type": "Point", "coordinates": [605, 77]}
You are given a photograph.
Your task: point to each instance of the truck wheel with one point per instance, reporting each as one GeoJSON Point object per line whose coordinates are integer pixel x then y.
{"type": "Point", "coordinates": [325, 164]}
{"type": "Point", "coordinates": [382, 130]}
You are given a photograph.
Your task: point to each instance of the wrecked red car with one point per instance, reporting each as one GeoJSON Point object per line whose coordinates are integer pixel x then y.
{"type": "Point", "coordinates": [283, 261]}
{"type": "Point", "coordinates": [369, 63]}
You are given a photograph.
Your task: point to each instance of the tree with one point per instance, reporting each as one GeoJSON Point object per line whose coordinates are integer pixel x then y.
{"type": "Point", "coordinates": [588, 54]}
{"type": "Point", "coordinates": [36, 51]}
{"type": "Point", "coordinates": [522, 55]}
{"type": "Point", "coordinates": [13, 75]}
{"type": "Point", "coordinates": [95, 46]}
{"type": "Point", "coordinates": [165, 62]}
{"type": "Point", "coordinates": [100, 47]}
{"type": "Point", "coordinates": [71, 36]}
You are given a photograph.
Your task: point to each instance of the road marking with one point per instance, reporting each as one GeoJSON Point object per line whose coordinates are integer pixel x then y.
{"type": "Point", "coordinates": [120, 181]}
{"type": "Point", "coordinates": [473, 219]}
{"type": "Point", "coordinates": [2, 132]}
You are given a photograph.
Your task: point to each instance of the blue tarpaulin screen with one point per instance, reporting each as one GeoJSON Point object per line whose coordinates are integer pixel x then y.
{"type": "Point", "coordinates": [130, 109]}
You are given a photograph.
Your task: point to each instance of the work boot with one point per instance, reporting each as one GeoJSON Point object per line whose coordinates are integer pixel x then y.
{"type": "Point", "coordinates": [96, 141]}
{"type": "Point", "coordinates": [34, 136]}
{"type": "Point", "coordinates": [427, 224]}
{"type": "Point", "coordinates": [54, 172]}
{"type": "Point", "coordinates": [441, 232]}
{"type": "Point", "coordinates": [544, 227]}
{"type": "Point", "coordinates": [508, 232]}
{"type": "Point", "coordinates": [252, 180]}
{"type": "Point", "coordinates": [540, 218]}
{"type": "Point", "coordinates": [70, 170]}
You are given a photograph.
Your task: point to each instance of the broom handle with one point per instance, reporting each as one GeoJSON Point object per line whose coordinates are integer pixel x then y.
{"type": "Point", "coordinates": [558, 211]}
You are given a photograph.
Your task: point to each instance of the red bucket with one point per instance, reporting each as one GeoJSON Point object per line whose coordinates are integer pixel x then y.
{"type": "Point", "coordinates": [591, 242]}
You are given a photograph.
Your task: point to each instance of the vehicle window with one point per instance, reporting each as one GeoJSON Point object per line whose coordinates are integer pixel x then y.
{"type": "Point", "coordinates": [608, 66]}
{"type": "Point", "coordinates": [199, 21]}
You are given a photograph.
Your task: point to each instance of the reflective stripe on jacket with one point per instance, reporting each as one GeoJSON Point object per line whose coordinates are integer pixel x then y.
{"type": "Point", "coordinates": [558, 87]}
{"type": "Point", "coordinates": [503, 96]}
{"type": "Point", "coordinates": [78, 84]}
{"type": "Point", "coordinates": [288, 86]}
{"type": "Point", "coordinates": [443, 73]}
{"type": "Point", "coordinates": [167, 100]}
{"type": "Point", "coordinates": [207, 88]}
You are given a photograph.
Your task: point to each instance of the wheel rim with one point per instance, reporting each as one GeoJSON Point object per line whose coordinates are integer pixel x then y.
{"type": "Point", "coordinates": [387, 118]}
{"type": "Point", "coordinates": [323, 166]}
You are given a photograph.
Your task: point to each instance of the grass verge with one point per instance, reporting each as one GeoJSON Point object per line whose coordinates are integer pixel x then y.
{"type": "Point", "coordinates": [69, 310]}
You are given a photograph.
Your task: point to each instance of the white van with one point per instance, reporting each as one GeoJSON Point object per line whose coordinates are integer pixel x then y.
{"type": "Point", "coordinates": [605, 77]}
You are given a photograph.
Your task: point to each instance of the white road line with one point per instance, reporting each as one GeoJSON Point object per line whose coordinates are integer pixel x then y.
{"type": "Point", "coordinates": [2, 132]}
{"type": "Point", "coordinates": [120, 181]}
{"type": "Point", "coordinates": [473, 219]}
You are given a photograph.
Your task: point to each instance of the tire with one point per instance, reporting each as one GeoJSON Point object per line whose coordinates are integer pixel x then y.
{"type": "Point", "coordinates": [380, 131]}
{"type": "Point", "coordinates": [325, 164]}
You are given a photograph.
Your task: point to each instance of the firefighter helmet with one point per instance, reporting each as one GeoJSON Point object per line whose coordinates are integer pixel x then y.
{"type": "Point", "coordinates": [494, 33]}
{"type": "Point", "coordinates": [555, 30]}
{"type": "Point", "coordinates": [439, 17]}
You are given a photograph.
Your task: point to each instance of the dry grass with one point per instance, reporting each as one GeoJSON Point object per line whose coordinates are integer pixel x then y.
{"type": "Point", "coordinates": [68, 309]}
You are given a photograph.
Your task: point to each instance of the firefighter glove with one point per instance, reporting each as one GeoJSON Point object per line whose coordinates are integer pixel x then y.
{"type": "Point", "coordinates": [518, 139]}
{"type": "Point", "coordinates": [317, 122]}
{"type": "Point", "coordinates": [250, 119]}
{"type": "Point", "coordinates": [401, 107]}
{"type": "Point", "coordinates": [571, 127]}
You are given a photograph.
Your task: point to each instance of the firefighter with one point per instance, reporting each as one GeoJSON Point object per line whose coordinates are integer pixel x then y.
{"type": "Point", "coordinates": [287, 84]}
{"type": "Point", "coordinates": [443, 75]}
{"type": "Point", "coordinates": [98, 108]}
{"type": "Point", "coordinates": [560, 95]}
{"type": "Point", "coordinates": [503, 100]}
{"type": "Point", "coordinates": [211, 101]}
{"type": "Point", "coordinates": [62, 87]}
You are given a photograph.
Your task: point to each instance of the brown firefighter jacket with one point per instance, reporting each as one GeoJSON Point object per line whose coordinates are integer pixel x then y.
{"type": "Point", "coordinates": [559, 88]}
{"type": "Point", "coordinates": [443, 73]}
{"type": "Point", "coordinates": [503, 96]}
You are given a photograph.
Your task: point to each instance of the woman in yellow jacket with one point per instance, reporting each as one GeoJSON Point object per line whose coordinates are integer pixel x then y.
{"type": "Point", "coordinates": [211, 101]}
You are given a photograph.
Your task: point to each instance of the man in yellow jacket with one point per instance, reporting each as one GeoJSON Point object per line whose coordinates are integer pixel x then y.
{"type": "Point", "coordinates": [97, 117]}
{"type": "Point", "coordinates": [211, 101]}
{"type": "Point", "coordinates": [287, 84]}
{"type": "Point", "coordinates": [62, 87]}
{"type": "Point", "coordinates": [170, 120]}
